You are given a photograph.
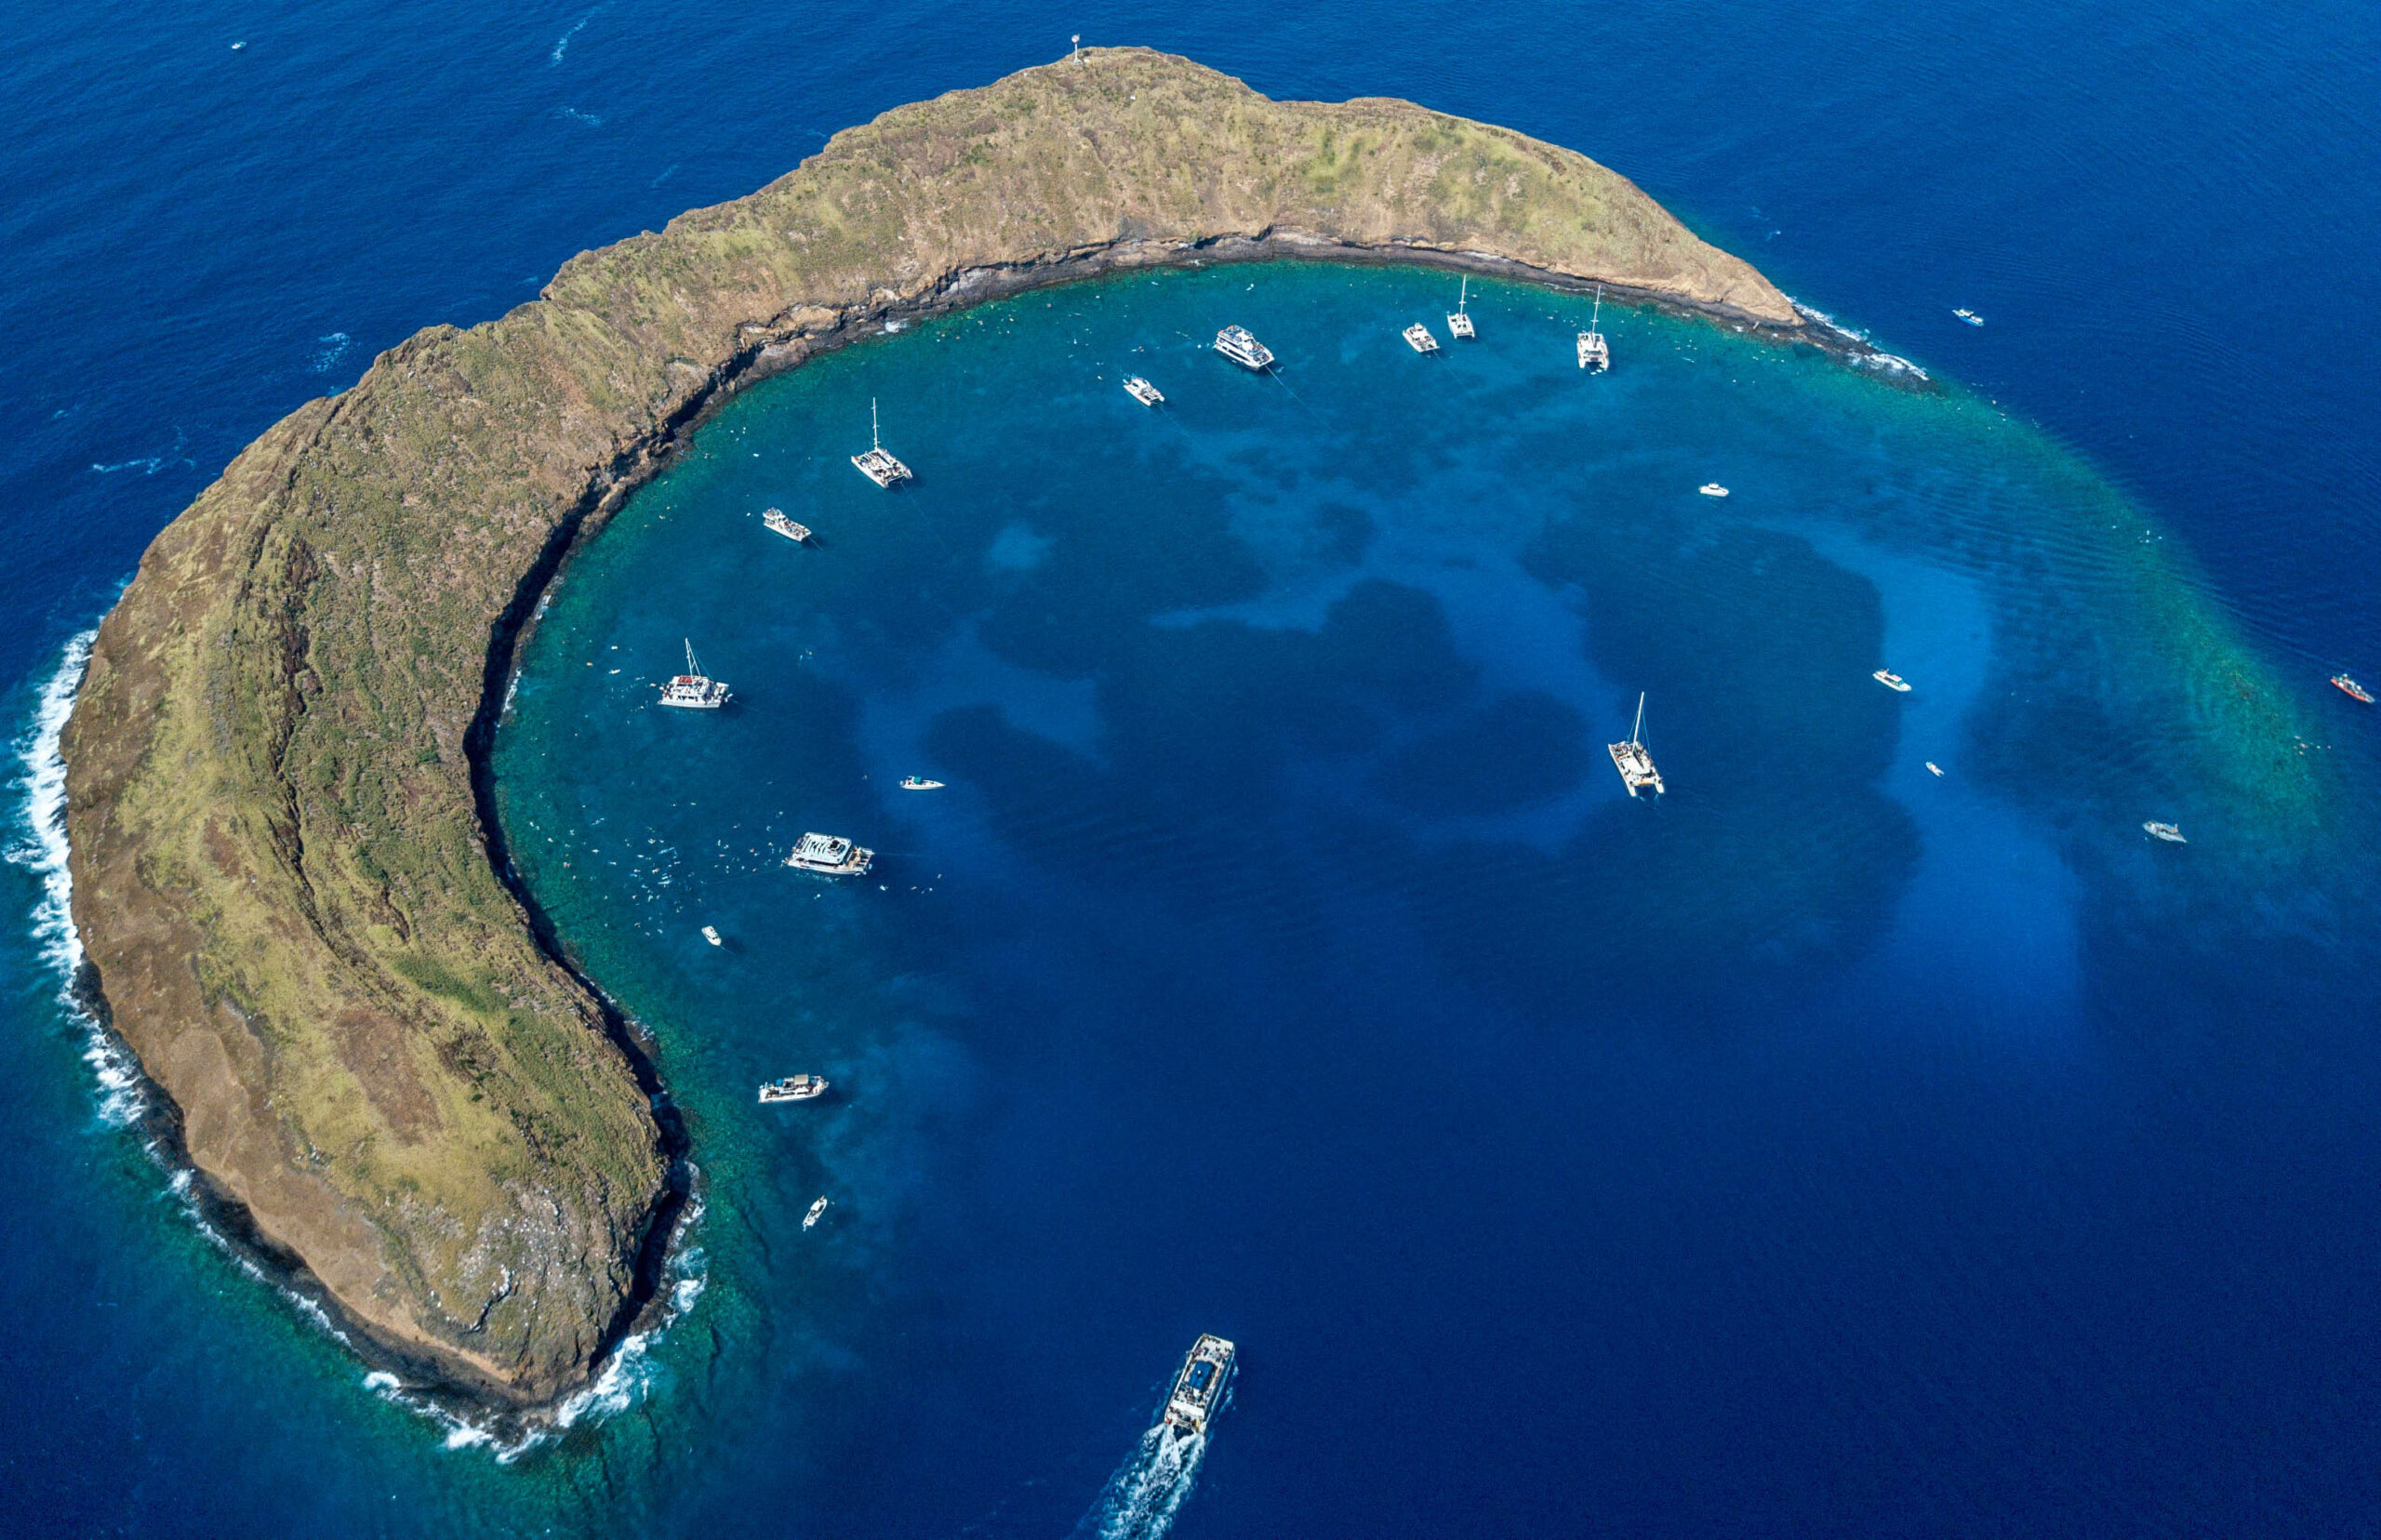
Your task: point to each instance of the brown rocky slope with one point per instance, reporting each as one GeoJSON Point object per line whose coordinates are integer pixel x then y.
{"type": "Point", "coordinates": [277, 809]}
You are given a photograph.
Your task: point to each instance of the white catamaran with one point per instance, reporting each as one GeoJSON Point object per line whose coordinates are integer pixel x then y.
{"type": "Point", "coordinates": [878, 465]}
{"type": "Point", "coordinates": [1459, 318]}
{"type": "Point", "coordinates": [1593, 352]}
{"type": "Point", "coordinates": [693, 689]}
{"type": "Point", "coordinates": [1630, 758]}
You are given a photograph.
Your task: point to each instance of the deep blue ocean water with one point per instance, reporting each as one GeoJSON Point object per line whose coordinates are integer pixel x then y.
{"type": "Point", "coordinates": [1831, 1150]}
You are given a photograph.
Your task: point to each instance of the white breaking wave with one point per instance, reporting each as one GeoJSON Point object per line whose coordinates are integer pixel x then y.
{"type": "Point", "coordinates": [1141, 1499]}
{"type": "Point", "coordinates": [40, 784]}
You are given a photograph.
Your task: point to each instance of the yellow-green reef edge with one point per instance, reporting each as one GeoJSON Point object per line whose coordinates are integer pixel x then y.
{"type": "Point", "coordinates": [287, 882]}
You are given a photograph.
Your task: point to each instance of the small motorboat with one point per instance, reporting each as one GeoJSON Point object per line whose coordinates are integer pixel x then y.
{"type": "Point", "coordinates": [712, 936]}
{"type": "Point", "coordinates": [816, 1210]}
{"type": "Point", "coordinates": [918, 783]}
{"type": "Point", "coordinates": [2171, 833]}
{"type": "Point", "coordinates": [1932, 768]}
{"type": "Point", "coordinates": [1143, 392]}
{"type": "Point", "coordinates": [1971, 317]}
{"type": "Point", "coordinates": [1713, 489]}
{"type": "Point", "coordinates": [2354, 690]}
{"type": "Point", "coordinates": [793, 1088]}
{"type": "Point", "coordinates": [1891, 681]}
{"type": "Point", "coordinates": [1418, 337]}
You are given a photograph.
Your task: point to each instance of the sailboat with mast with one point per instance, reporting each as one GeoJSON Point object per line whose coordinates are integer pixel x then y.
{"type": "Point", "coordinates": [1593, 352]}
{"type": "Point", "coordinates": [878, 465]}
{"type": "Point", "coordinates": [693, 689]}
{"type": "Point", "coordinates": [1460, 318]}
{"type": "Point", "coordinates": [1636, 766]}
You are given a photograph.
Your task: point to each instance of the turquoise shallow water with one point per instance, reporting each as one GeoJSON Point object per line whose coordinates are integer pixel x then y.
{"type": "Point", "coordinates": [1285, 959]}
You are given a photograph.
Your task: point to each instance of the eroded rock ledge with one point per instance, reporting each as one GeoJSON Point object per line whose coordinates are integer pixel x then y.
{"type": "Point", "coordinates": [286, 872]}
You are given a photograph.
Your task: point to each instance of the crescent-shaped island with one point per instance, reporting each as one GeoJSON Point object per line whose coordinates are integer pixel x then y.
{"type": "Point", "coordinates": [288, 882]}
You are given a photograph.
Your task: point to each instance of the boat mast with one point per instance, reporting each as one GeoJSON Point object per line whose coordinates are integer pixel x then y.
{"type": "Point", "coordinates": [1637, 733]}
{"type": "Point", "coordinates": [692, 666]}
{"type": "Point", "coordinates": [874, 442]}
{"type": "Point", "coordinates": [1463, 297]}
{"type": "Point", "coordinates": [1598, 316]}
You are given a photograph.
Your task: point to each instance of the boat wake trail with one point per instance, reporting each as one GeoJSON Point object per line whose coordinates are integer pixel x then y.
{"type": "Point", "coordinates": [1140, 1500]}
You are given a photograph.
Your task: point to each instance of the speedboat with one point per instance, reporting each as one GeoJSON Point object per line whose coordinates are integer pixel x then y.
{"type": "Point", "coordinates": [816, 1210]}
{"type": "Point", "coordinates": [1713, 489]}
{"type": "Point", "coordinates": [1891, 681]}
{"type": "Point", "coordinates": [1241, 346]}
{"type": "Point", "coordinates": [1932, 768]}
{"type": "Point", "coordinates": [1198, 1389]}
{"type": "Point", "coordinates": [1143, 392]}
{"type": "Point", "coordinates": [793, 1088]}
{"type": "Point", "coordinates": [1971, 317]}
{"type": "Point", "coordinates": [2355, 690]}
{"type": "Point", "coordinates": [1419, 337]}
{"type": "Point", "coordinates": [2171, 833]}
{"type": "Point", "coordinates": [916, 783]}
{"type": "Point", "coordinates": [712, 936]}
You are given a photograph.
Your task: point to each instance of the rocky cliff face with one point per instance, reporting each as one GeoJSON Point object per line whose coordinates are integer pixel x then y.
{"type": "Point", "coordinates": [282, 875]}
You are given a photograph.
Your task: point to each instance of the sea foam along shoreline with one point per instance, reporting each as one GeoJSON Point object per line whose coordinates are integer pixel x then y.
{"type": "Point", "coordinates": [128, 1099]}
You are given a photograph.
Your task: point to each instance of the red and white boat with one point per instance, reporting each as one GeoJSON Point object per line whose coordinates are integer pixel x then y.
{"type": "Point", "coordinates": [2353, 688]}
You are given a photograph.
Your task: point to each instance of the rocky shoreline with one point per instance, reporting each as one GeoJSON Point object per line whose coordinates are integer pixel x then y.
{"type": "Point", "coordinates": [288, 875]}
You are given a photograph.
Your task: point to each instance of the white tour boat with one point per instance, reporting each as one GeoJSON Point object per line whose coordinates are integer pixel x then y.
{"type": "Point", "coordinates": [1971, 317]}
{"type": "Point", "coordinates": [1713, 489]}
{"type": "Point", "coordinates": [1594, 353]}
{"type": "Point", "coordinates": [878, 465]}
{"type": "Point", "coordinates": [1239, 345]}
{"type": "Point", "coordinates": [793, 1088]}
{"type": "Point", "coordinates": [775, 519]}
{"type": "Point", "coordinates": [1891, 681]}
{"type": "Point", "coordinates": [692, 689]}
{"type": "Point", "coordinates": [1198, 1389]}
{"type": "Point", "coordinates": [712, 936]}
{"type": "Point", "coordinates": [1418, 337]}
{"type": "Point", "coordinates": [1636, 766]}
{"type": "Point", "coordinates": [2171, 833]}
{"type": "Point", "coordinates": [816, 1210]}
{"type": "Point", "coordinates": [919, 783]}
{"type": "Point", "coordinates": [832, 855]}
{"type": "Point", "coordinates": [1143, 392]}
{"type": "Point", "coordinates": [1460, 318]}
{"type": "Point", "coordinates": [1932, 768]}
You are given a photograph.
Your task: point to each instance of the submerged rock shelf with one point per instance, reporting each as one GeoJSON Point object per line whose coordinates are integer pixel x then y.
{"type": "Point", "coordinates": [286, 874]}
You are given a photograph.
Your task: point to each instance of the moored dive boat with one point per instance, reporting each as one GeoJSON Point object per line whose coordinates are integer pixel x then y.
{"type": "Point", "coordinates": [816, 1210]}
{"type": "Point", "coordinates": [1971, 317]}
{"type": "Point", "coordinates": [2171, 833]}
{"type": "Point", "coordinates": [1239, 345]}
{"type": "Point", "coordinates": [1594, 353]}
{"type": "Point", "coordinates": [793, 1088]}
{"type": "Point", "coordinates": [1713, 489]}
{"type": "Point", "coordinates": [1891, 681]}
{"type": "Point", "coordinates": [2353, 688]}
{"type": "Point", "coordinates": [712, 936]}
{"type": "Point", "coordinates": [919, 783]}
{"type": "Point", "coordinates": [775, 519]}
{"type": "Point", "coordinates": [830, 854]}
{"type": "Point", "coordinates": [1629, 757]}
{"type": "Point", "coordinates": [1143, 392]}
{"type": "Point", "coordinates": [1198, 1389]}
{"type": "Point", "coordinates": [693, 689]}
{"type": "Point", "coordinates": [878, 465]}
{"type": "Point", "coordinates": [1418, 337]}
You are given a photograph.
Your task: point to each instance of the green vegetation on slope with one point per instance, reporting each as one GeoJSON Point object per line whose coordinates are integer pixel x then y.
{"type": "Point", "coordinates": [280, 872]}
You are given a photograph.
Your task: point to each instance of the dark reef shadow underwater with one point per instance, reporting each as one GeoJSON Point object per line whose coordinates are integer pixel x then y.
{"type": "Point", "coordinates": [1829, 1147]}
